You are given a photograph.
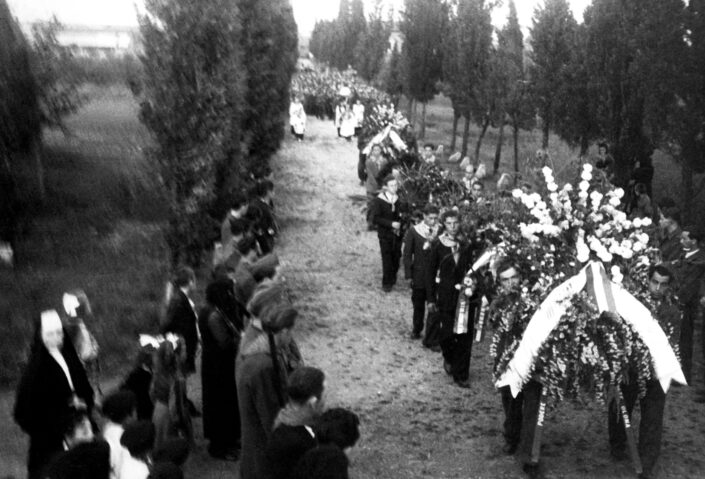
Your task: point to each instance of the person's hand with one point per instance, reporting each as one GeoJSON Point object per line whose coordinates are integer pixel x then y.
{"type": "Point", "coordinates": [396, 225]}
{"type": "Point", "coordinates": [432, 308]}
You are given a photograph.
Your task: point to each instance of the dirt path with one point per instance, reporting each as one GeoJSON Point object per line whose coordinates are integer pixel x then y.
{"type": "Point", "coordinates": [416, 423]}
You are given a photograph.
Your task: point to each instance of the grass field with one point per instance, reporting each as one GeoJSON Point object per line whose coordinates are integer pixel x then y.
{"type": "Point", "coordinates": [99, 230]}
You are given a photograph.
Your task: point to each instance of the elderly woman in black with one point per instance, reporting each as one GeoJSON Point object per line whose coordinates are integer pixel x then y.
{"type": "Point", "coordinates": [220, 323]}
{"type": "Point", "coordinates": [53, 382]}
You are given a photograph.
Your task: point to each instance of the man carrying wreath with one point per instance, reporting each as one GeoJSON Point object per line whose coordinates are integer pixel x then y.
{"type": "Point", "coordinates": [654, 400]}
{"type": "Point", "coordinates": [449, 262]}
{"type": "Point", "coordinates": [509, 317]}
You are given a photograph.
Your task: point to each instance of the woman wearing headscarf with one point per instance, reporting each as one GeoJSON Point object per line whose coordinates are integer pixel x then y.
{"type": "Point", "coordinates": [220, 323]}
{"type": "Point", "coordinates": [261, 373]}
{"type": "Point", "coordinates": [53, 382]}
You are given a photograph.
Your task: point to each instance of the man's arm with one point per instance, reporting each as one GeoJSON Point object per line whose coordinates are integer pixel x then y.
{"type": "Point", "coordinates": [431, 273]}
{"type": "Point", "coordinates": [408, 253]}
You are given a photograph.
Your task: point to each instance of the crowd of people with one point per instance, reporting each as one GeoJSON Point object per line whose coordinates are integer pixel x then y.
{"type": "Point", "coordinates": [261, 405]}
{"type": "Point", "coordinates": [437, 258]}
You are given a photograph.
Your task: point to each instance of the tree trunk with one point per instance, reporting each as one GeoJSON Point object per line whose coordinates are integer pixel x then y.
{"type": "Point", "coordinates": [546, 128]}
{"type": "Point", "coordinates": [422, 133]}
{"type": "Point", "coordinates": [498, 150]}
{"type": "Point", "coordinates": [456, 118]}
{"type": "Point", "coordinates": [516, 151]}
{"type": "Point", "coordinates": [39, 169]}
{"type": "Point", "coordinates": [687, 185]}
{"type": "Point", "coordinates": [584, 146]}
{"type": "Point", "coordinates": [466, 135]}
{"type": "Point", "coordinates": [485, 125]}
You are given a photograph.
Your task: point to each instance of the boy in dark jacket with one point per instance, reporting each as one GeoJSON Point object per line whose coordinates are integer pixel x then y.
{"type": "Point", "coordinates": [293, 434]}
{"type": "Point", "coordinates": [386, 216]}
{"type": "Point", "coordinates": [417, 247]}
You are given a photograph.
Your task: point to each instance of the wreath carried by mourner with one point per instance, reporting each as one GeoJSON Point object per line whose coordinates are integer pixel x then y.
{"type": "Point", "coordinates": [573, 328]}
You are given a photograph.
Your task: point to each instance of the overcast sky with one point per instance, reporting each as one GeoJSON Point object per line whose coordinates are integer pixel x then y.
{"type": "Point", "coordinates": [122, 12]}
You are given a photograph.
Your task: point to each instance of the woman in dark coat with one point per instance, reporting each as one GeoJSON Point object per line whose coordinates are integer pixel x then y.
{"type": "Point", "coordinates": [220, 323]}
{"type": "Point", "coordinates": [52, 383]}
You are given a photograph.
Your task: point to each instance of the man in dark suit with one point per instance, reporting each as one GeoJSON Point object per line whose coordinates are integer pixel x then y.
{"type": "Point", "coordinates": [417, 248]}
{"type": "Point", "coordinates": [689, 271]}
{"type": "Point", "coordinates": [654, 400]}
{"type": "Point", "coordinates": [385, 214]}
{"type": "Point", "coordinates": [670, 238]}
{"type": "Point", "coordinates": [261, 212]}
{"type": "Point", "coordinates": [450, 259]}
{"type": "Point", "coordinates": [181, 315]}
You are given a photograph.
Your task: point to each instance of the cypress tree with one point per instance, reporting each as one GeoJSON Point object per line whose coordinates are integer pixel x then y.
{"type": "Point", "coordinates": [270, 50]}
{"type": "Point", "coordinates": [192, 99]}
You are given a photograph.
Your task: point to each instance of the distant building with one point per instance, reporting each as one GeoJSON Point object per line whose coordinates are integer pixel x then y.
{"type": "Point", "coordinates": [98, 42]}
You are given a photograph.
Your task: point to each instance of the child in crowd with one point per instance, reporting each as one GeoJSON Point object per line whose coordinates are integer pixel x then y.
{"type": "Point", "coordinates": [168, 392]}
{"type": "Point", "coordinates": [139, 380]}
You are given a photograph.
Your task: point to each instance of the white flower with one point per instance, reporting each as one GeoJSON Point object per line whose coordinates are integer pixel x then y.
{"type": "Point", "coordinates": [586, 175]}
{"type": "Point", "coordinates": [547, 171]}
{"type": "Point", "coordinates": [528, 201]}
{"type": "Point", "coordinates": [583, 195]}
{"type": "Point", "coordinates": [637, 222]}
{"type": "Point", "coordinates": [517, 193]}
{"type": "Point", "coordinates": [584, 185]}
{"type": "Point", "coordinates": [535, 197]}
{"type": "Point", "coordinates": [615, 270]}
{"type": "Point", "coordinates": [618, 193]}
{"type": "Point", "coordinates": [638, 246]}
{"type": "Point", "coordinates": [617, 278]}
{"type": "Point", "coordinates": [605, 256]}
{"type": "Point", "coordinates": [614, 201]}
{"type": "Point", "coordinates": [587, 167]}
{"type": "Point", "coordinates": [564, 225]}
{"type": "Point", "coordinates": [583, 255]}
{"type": "Point", "coordinates": [646, 222]}
{"type": "Point", "coordinates": [627, 254]}
{"type": "Point", "coordinates": [567, 187]}
{"type": "Point", "coordinates": [552, 187]}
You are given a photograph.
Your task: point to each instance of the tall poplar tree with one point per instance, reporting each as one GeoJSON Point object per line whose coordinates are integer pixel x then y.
{"type": "Point", "coordinates": [193, 96]}
{"type": "Point", "coordinates": [685, 138]}
{"type": "Point", "coordinates": [269, 52]}
{"type": "Point", "coordinates": [372, 45]}
{"type": "Point", "coordinates": [515, 104]}
{"type": "Point", "coordinates": [552, 42]}
{"type": "Point", "coordinates": [467, 49]}
{"type": "Point", "coordinates": [633, 49]}
{"type": "Point", "coordinates": [423, 27]}
{"type": "Point", "coordinates": [20, 125]}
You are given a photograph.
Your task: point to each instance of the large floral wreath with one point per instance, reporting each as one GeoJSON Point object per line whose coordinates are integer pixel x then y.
{"type": "Point", "coordinates": [567, 325]}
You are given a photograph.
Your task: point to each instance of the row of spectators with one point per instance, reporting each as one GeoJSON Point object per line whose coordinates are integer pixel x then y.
{"type": "Point", "coordinates": [261, 407]}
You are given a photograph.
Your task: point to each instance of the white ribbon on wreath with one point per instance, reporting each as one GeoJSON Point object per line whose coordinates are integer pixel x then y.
{"type": "Point", "coordinates": [608, 296]}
